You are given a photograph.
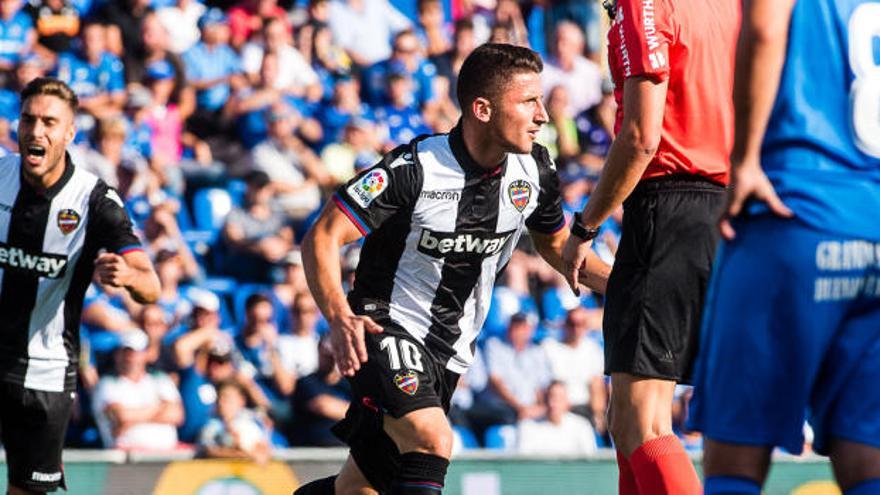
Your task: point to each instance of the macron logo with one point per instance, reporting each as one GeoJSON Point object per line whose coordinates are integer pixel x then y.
{"type": "Point", "coordinates": [46, 477]}
{"type": "Point", "coordinates": [439, 244]}
{"type": "Point", "coordinates": [42, 264]}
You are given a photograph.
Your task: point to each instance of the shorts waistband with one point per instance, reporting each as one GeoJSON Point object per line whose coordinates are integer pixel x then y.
{"type": "Point", "coordinates": [680, 182]}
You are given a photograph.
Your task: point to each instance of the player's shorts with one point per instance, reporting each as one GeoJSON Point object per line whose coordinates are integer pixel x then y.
{"type": "Point", "coordinates": [400, 376]}
{"type": "Point", "coordinates": [33, 424]}
{"type": "Point", "coordinates": [792, 324]}
{"type": "Point", "coordinates": [656, 290]}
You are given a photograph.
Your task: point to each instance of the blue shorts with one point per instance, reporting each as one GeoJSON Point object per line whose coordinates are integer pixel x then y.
{"type": "Point", "coordinates": [791, 330]}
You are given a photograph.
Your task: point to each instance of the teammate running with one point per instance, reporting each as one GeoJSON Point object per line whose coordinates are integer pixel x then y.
{"type": "Point", "coordinates": [54, 219]}
{"type": "Point", "coordinates": [441, 217]}
{"type": "Point", "coordinates": [793, 312]}
{"type": "Point", "coordinates": [672, 65]}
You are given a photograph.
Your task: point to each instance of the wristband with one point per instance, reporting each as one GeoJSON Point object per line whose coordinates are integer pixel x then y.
{"type": "Point", "coordinates": [583, 232]}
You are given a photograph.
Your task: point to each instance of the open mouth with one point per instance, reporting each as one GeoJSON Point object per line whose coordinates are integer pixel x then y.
{"type": "Point", "coordinates": [35, 150]}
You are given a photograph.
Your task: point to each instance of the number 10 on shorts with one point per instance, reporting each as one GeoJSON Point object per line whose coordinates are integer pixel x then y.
{"type": "Point", "coordinates": [399, 348]}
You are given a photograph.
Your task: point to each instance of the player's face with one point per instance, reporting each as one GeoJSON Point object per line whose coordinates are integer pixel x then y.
{"type": "Point", "coordinates": [45, 128]}
{"type": "Point", "coordinates": [519, 113]}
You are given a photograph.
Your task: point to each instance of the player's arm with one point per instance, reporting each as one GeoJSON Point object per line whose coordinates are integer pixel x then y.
{"type": "Point", "coordinates": [323, 268]}
{"type": "Point", "coordinates": [760, 57]}
{"type": "Point", "coordinates": [630, 154]}
{"type": "Point", "coordinates": [549, 246]}
{"type": "Point", "coordinates": [131, 270]}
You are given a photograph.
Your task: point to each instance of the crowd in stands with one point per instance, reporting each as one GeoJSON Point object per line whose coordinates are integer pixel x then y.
{"type": "Point", "coordinates": [225, 125]}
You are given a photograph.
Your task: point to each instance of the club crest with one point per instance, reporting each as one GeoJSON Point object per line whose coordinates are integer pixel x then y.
{"type": "Point", "coordinates": [519, 191]}
{"type": "Point", "coordinates": [407, 381]}
{"type": "Point", "coordinates": [68, 221]}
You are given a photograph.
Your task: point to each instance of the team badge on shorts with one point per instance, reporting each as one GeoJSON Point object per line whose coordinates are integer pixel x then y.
{"type": "Point", "coordinates": [369, 187]}
{"type": "Point", "coordinates": [408, 381]}
{"type": "Point", "coordinates": [519, 191]}
{"type": "Point", "coordinates": [68, 221]}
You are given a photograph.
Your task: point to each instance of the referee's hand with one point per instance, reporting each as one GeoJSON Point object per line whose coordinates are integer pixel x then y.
{"type": "Point", "coordinates": [113, 270]}
{"type": "Point", "coordinates": [347, 338]}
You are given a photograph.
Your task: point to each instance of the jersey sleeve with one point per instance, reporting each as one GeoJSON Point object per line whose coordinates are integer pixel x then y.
{"type": "Point", "coordinates": [109, 221]}
{"type": "Point", "coordinates": [646, 32]}
{"type": "Point", "coordinates": [548, 217]}
{"type": "Point", "coordinates": [376, 194]}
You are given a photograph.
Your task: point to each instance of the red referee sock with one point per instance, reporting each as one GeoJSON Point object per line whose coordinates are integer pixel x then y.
{"type": "Point", "coordinates": [626, 484]}
{"type": "Point", "coordinates": [661, 467]}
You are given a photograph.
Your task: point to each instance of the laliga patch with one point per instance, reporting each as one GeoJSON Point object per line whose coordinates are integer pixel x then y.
{"type": "Point", "coordinates": [68, 221]}
{"type": "Point", "coordinates": [371, 185]}
{"type": "Point", "coordinates": [519, 191]}
{"type": "Point", "coordinates": [407, 381]}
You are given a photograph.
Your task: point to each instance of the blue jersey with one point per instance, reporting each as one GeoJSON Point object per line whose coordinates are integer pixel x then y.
{"type": "Point", "coordinates": [87, 80]}
{"type": "Point", "coordinates": [14, 37]}
{"type": "Point", "coordinates": [822, 146]}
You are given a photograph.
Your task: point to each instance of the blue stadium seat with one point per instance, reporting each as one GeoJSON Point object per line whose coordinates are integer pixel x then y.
{"type": "Point", "coordinates": [210, 207]}
{"type": "Point", "coordinates": [502, 437]}
{"type": "Point", "coordinates": [467, 437]}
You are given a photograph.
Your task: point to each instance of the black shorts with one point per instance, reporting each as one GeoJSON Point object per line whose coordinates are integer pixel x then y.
{"type": "Point", "coordinates": [400, 376]}
{"type": "Point", "coordinates": [658, 283]}
{"type": "Point", "coordinates": [33, 425]}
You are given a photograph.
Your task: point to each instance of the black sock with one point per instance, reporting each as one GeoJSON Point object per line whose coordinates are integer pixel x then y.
{"type": "Point", "coordinates": [420, 474]}
{"type": "Point", "coordinates": [323, 486]}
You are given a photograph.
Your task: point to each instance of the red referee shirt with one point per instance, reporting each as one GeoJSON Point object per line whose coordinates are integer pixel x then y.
{"type": "Point", "coordinates": [691, 43]}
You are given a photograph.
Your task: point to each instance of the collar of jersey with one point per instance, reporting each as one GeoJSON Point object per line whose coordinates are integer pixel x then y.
{"type": "Point", "coordinates": [62, 181]}
{"type": "Point", "coordinates": [467, 162]}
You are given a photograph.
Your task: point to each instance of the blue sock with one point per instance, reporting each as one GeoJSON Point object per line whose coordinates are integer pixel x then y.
{"type": "Point", "coordinates": [731, 485]}
{"type": "Point", "coordinates": [869, 487]}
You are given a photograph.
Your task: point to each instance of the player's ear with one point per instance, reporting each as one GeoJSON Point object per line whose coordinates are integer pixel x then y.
{"type": "Point", "coordinates": [482, 109]}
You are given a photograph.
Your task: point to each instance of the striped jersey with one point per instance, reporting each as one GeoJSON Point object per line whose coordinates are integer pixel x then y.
{"type": "Point", "coordinates": [439, 229]}
{"type": "Point", "coordinates": [48, 244]}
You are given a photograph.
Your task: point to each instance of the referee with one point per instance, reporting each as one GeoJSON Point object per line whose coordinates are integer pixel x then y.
{"type": "Point", "coordinates": [55, 218]}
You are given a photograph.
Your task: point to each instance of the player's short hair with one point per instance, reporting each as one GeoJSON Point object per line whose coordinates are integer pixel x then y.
{"type": "Point", "coordinates": [51, 87]}
{"type": "Point", "coordinates": [487, 70]}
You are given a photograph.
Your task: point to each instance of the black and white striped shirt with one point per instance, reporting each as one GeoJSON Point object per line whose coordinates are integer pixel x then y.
{"type": "Point", "coordinates": [439, 229]}
{"type": "Point", "coordinates": [48, 244]}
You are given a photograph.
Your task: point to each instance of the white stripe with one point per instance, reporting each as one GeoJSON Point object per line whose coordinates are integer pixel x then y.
{"type": "Point", "coordinates": [47, 356]}
{"type": "Point", "coordinates": [10, 183]}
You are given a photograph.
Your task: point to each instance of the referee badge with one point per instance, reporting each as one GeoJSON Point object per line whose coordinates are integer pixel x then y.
{"type": "Point", "coordinates": [407, 381]}
{"type": "Point", "coordinates": [68, 221]}
{"type": "Point", "coordinates": [519, 191]}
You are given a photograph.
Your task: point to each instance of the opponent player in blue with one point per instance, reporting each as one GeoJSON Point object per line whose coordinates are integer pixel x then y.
{"type": "Point", "coordinates": [792, 319]}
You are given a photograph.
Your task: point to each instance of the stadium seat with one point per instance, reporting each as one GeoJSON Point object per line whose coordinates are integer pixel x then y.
{"type": "Point", "coordinates": [210, 207]}
{"type": "Point", "coordinates": [502, 437]}
{"type": "Point", "coordinates": [467, 437]}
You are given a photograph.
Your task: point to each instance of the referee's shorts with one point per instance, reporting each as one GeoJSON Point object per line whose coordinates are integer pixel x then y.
{"type": "Point", "coordinates": [657, 286]}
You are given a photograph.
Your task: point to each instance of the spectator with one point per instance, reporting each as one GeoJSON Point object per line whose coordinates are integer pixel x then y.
{"type": "Point", "coordinates": [214, 71]}
{"type": "Point", "coordinates": [299, 349]}
{"type": "Point", "coordinates": [320, 400]}
{"type": "Point", "coordinates": [578, 362]}
{"type": "Point", "coordinates": [559, 135]}
{"type": "Point", "coordinates": [95, 74]}
{"type": "Point", "coordinates": [295, 76]}
{"type": "Point", "coordinates": [249, 16]}
{"type": "Point", "coordinates": [357, 150]}
{"type": "Point", "coordinates": [57, 23]}
{"type": "Point", "coordinates": [120, 167]}
{"type": "Point", "coordinates": [364, 27]}
{"type": "Point", "coordinates": [181, 22]}
{"type": "Point", "coordinates": [448, 64]}
{"type": "Point", "coordinates": [28, 68]}
{"type": "Point", "coordinates": [327, 59]}
{"type": "Point", "coordinates": [400, 115]}
{"type": "Point", "coordinates": [156, 323]}
{"type": "Point", "coordinates": [518, 373]}
{"type": "Point", "coordinates": [258, 344]}
{"type": "Point", "coordinates": [509, 26]}
{"type": "Point", "coordinates": [296, 174]}
{"type": "Point", "coordinates": [559, 432]}
{"type": "Point", "coordinates": [568, 67]}
{"type": "Point", "coordinates": [432, 30]}
{"type": "Point", "coordinates": [294, 282]}
{"type": "Point", "coordinates": [595, 130]}
{"type": "Point", "coordinates": [345, 105]}
{"type": "Point", "coordinates": [407, 54]}
{"type": "Point", "coordinates": [235, 432]}
{"type": "Point", "coordinates": [135, 409]}
{"type": "Point", "coordinates": [17, 34]}
{"type": "Point", "coordinates": [106, 308]}
{"type": "Point", "coordinates": [126, 20]}
{"type": "Point", "coordinates": [255, 236]}
{"type": "Point", "coordinates": [205, 357]}
{"type": "Point", "coordinates": [171, 267]}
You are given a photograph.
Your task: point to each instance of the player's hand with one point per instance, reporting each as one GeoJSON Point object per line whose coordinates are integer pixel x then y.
{"type": "Point", "coordinates": [574, 259]}
{"type": "Point", "coordinates": [113, 270]}
{"type": "Point", "coordinates": [347, 339]}
{"type": "Point", "coordinates": [748, 180]}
